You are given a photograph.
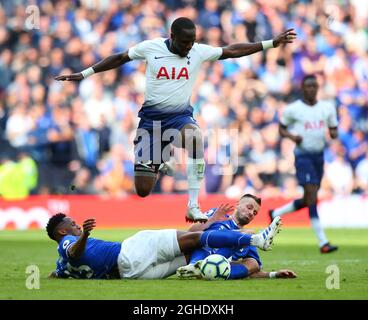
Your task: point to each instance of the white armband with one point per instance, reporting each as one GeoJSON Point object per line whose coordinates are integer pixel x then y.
{"type": "Point", "coordinates": [267, 44]}
{"type": "Point", "coordinates": [272, 275]}
{"type": "Point", "coordinates": [87, 72]}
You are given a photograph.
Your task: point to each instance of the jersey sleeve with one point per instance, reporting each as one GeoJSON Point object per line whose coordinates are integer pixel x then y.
{"type": "Point", "coordinates": [332, 121]}
{"type": "Point", "coordinates": [209, 53]}
{"type": "Point", "coordinates": [287, 116]}
{"type": "Point", "coordinates": [139, 51]}
{"type": "Point", "coordinates": [64, 246]}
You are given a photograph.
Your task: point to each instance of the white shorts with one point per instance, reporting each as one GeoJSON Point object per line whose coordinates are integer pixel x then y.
{"type": "Point", "coordinates": [150, 254]}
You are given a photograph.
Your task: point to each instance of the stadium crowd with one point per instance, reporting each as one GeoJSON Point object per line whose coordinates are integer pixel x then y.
{"type": "Point", "coordinates": [58, 134]}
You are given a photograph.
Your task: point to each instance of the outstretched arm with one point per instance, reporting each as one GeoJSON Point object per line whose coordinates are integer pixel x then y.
{"type": "Point", "coordinates": [284, 274]}
{"type": "Point", "coordinates": [111, 62]}
{"type": "Point", "coordinates": [219, 215]}
{"type": "Point", "coordinates": [76, 250]}
{"type": "Point", "coordinates": [244, 49]}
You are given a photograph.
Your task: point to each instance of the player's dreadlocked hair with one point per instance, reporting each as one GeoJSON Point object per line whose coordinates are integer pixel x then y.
{"type": "Point", "coordinates": [248, 195]}
{"type": "Point", "coordinates": [181, 23]}
{"type": "Point", "coordinates": [53, 223]}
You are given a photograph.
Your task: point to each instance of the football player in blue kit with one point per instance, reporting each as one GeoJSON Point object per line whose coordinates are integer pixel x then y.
{"type": "Point", "coordinates": [172, 67]}
{"type": "Point", "coordinates": [306, 122]}
{"type": "Point", "coordinates": [149, 254]}
{"type": "Point", "coordinates": [245, 262]}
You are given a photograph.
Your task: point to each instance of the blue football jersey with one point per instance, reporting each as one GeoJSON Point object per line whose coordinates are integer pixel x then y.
{"type": "Point", "coordinates": [98, 259]}
{"type": "Point", "coordinates": [230, 253]}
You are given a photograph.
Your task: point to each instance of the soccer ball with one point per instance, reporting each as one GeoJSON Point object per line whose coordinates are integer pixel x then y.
{"type": "Point", "coordinates": [215, 267]}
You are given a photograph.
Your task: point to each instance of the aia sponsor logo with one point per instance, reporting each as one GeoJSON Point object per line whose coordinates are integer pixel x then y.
{"type": "Point", "coordinates": [173, 73]}
{"type": "Point", "coordinates": [314, 125]}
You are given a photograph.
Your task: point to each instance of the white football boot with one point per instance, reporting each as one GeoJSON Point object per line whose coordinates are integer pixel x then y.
{"type": "Point", "coordinates": [194, 214]}
{"type": "Point", "coordinates": [190, 271]}
{"type": "Point", "coordinates": [263, 240]}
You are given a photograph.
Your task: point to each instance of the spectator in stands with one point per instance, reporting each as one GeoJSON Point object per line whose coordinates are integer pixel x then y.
{"type": "Point", "coordinates": [339, 175]}
{"type": "Point", "coordinates": [16, 178]}
{"type": "Point", "coordinates": [246, 93]}
{"type": "Point", "coordinates": [361, 173]}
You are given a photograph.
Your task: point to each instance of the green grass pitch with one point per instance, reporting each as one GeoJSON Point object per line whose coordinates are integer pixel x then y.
{"type": "Point", "coordinates": [294, 249]}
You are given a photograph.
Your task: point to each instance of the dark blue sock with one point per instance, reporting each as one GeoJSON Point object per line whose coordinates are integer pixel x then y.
{"type": "Point", "coordinates": [313, 213]}
{"type": "Point", "coordinates": [197, 255]}
{"type": "Point", "coordinates": [298, 204]}
{"type": "Point", "coordinates": [219, 239]}
{"type": "Point", "coordinates": [238, 271]}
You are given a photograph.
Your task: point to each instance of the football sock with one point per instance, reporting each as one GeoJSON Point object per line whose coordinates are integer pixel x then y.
{"type": "Point", "coordinates": [318, 230]}
{"type": "Point", "coordinates": [287, 208]}
{"type": "Point", "coordinates": [195, 173]}
{"type": "Point", "coordinates": [219, 239]}
{"type": "Point", "coordinates": [238, 271]}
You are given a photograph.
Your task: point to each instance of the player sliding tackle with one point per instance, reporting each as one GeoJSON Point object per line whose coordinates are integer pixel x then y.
{"type": "Point", "coordinates": [149, 254]}
{"type": "Point", "coordinates": [245, 262]}
{"type": "Point", "coordinates": [172, 68]}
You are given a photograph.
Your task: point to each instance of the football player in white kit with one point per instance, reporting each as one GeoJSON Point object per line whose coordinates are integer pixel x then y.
{"type": "Point", "coordinates": [166, 115]}
{"type": "Point", "coordinates": [310, 120]}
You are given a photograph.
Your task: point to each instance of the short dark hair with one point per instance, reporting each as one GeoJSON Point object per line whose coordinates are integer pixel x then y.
{"type": "Point", "coordinates": [54, 221]}
{"type": "Point", "coordinates": [308, 77]}
{"type": "Point", "coordinates": [182, 23]}
{"type": "Point", "coordinates": [248, 195]}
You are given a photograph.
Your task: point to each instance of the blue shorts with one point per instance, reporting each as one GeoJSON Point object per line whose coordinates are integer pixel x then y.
{"type": "Point", "coordinates": [154, 136]}
{"type": "Point", "coordinates": [309, 168]}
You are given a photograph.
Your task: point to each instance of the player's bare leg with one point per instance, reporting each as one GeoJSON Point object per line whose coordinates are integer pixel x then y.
{"type": "Point", "coordinates": [310, 194]}
{"type": "Point", "coordinates": [193, 142]}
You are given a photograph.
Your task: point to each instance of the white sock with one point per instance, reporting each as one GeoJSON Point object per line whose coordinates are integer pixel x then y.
{"type": "Point", "coordinates": [195, 173]}
{"type": "Point", "coordinates": [318, 230]}
{"type": "Point", "coordinates": [287, 208]}
{"type": "Point", "coordinates": [193, 197]}
{"type": "Point", "coordinates": [256, 240]}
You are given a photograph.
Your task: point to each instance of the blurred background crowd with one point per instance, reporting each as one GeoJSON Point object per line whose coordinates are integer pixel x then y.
{"type": "Point", "coordinates": [56, 134]}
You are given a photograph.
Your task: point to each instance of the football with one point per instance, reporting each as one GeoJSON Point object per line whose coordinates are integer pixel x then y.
{"type": "Point", "coordinates": [215, 267]}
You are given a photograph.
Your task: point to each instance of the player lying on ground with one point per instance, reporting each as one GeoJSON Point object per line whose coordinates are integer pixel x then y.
{"type": "Point", "coordinates": [172, 68]}
{"type": "Point", "coordinates": [149, 254]}
{"type": "Point", "coordinates": [245, 262]}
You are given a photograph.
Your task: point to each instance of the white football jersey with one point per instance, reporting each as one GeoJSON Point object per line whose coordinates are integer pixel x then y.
{"type": "Point", "coordinates": [310, 122]}
{"type": "Point", "coordinates": [169, 77]}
